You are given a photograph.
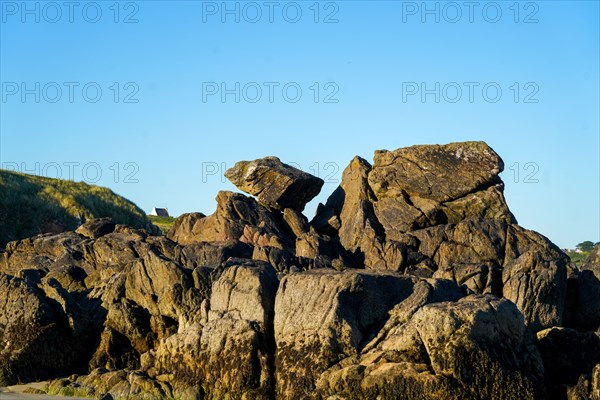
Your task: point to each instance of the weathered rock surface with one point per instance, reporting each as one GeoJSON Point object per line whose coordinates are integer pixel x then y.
{"type": "Point", "coordinates": [439, 211]}
{"type": "Point", "coordinates": [274, 183]}
{"type": "Point", "coordinates": [323, 317]}
{"type": "Point", "coordinates": [413, 281]}
{"type": "Point", "coordinates": [476, 348]}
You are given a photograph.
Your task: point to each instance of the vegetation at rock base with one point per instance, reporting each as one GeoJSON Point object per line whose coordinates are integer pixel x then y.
{"type": "Point", "coordinates": [163, 223]}
{"type": "Point", "coordinates": [30, 205]}
{"type": "Point", "coordinates": [581, 252]}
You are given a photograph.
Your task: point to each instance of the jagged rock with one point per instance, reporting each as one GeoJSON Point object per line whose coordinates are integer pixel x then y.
{"type": "Point", "coordinates": [211, 254]}
{"type": "Point", "coordinates": [185, 228]}
{"type": "Point", "coordinates": [476, 348]}
{"type": "Point", "coordinates": [274, 183]}
{"type": "Point", "coordinates": [237, 217]}
{"type": "Point", "coordinates": [198, 314]}
{"type": "Point", "coordinates": [96, 228]}
{"type": "Point", "coordinates": [237, 341]}
{"type": "Point", "coordinates": [538, 287]}
{"type": "Point", "coordinates": [35, 342]}
{"type": "Point", "coordinates": [230, 350]}
{"type": "Point", "coordinates": [296, 221]}
{"type": "Point", "coordinates": [323, 316]}
{"type": "Point", "coordinates": [349, 214]}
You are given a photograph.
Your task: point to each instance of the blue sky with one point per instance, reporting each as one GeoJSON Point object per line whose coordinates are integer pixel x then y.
{"type": "Point", "coordinates": [162, 123]}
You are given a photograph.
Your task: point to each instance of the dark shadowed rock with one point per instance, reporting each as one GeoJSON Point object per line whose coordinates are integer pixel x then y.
{"type": "Point", "coordinates": [211, 253]}
{"type": "Point", "coordinates": [36, 342]}
{"type": "Point", "coordinates": [274, 183]}
{"type": "Point", "coordinates": [568, 354]}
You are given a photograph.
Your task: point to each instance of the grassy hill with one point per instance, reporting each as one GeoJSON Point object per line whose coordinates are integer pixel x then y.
{"type": "Point", "coordinates": [29, 204]}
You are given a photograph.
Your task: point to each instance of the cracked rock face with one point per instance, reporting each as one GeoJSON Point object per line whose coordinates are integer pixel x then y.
{"type": "Point", "coordinates": [275, 184]}
{"type": "Point", "coordinates": [413, 281]}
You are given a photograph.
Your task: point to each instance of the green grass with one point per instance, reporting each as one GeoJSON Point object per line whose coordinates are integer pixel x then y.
{"type": "Point", "coordinates": [578, 258]}
{"type": "Point", "coordinates": [27, 202]}
{"type": "Point", "coordinates": [163, 223]}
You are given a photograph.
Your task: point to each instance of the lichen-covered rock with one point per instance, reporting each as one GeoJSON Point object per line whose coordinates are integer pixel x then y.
{"type": "Point", "coordinates": [35, 341]}
{"type": "Point", "coordinates": [117, 385]}
{"type": "Point", "coordinates": [323, 316]}
{"type": "Point", "coordinates": [237, 341]}
{"type": "Point", "coordinates": [413, 281]}
{"type": "Point", "coordinates": [476, 348]}
{"type": "Point", "coordinates": [422, 186]}
{"type": "Point", "coordinates": [274, 183]}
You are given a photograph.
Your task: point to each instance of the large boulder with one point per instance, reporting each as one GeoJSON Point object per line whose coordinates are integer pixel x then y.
{"type": "Point", "coordinates": [476, 348]}
{"type": "Point", "coordinates": [439, 211]}
{"type": "Point", "coordinates": [237, 343]}
{"type": "Point", "coordinates": [421, 186]}
{"type": "Point", "coordinates": [36, 341]}
{"type": "Point", "coordinates": [274, 183]}
{"type": "Point", "coordinates": [323, 317]}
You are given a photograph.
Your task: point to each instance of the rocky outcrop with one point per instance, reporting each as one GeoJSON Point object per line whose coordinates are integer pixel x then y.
{"type": "Point", "coordinates": [475, 348]}
{"type": "Point", "coordinates": [323, 317]}
{"type": "Point", "coordinates": [34, 338]}
{"type": "Point", "coordinates": [237, 340]}
{"type": "Point", "coordinates": [438, 211]}
{"type": "Point", "coordinates": [421, 186]}
{"type": "Point", "coordinates": [413, 281]}
{"type": "Point", "coordinates": [274, 183]}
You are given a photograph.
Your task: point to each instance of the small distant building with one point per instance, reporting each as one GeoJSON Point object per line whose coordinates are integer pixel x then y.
{"type": "Point", "coordinates": [160, 212]}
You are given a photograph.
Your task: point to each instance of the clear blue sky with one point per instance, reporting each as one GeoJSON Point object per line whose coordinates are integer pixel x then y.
{"type": "Point", "coordinates": [372, 60]}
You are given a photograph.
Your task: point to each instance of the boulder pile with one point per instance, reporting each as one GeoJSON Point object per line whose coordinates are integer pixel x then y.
{"type": "Point", "coordinates": [412, 281]}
